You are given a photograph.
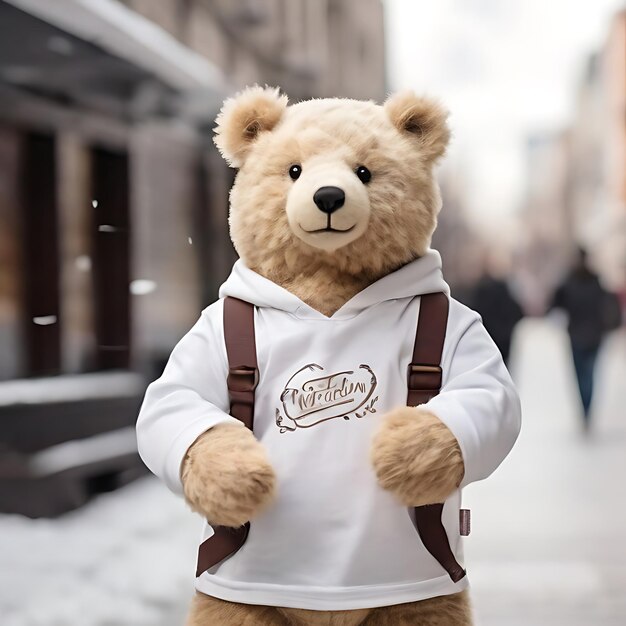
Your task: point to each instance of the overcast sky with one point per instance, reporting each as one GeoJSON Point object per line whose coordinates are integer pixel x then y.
{"type": "Point", "coordinates": [505, 68]}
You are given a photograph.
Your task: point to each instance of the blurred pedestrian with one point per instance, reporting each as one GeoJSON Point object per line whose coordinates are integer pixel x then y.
{"type": "Point", "coordinates": [493, 300]}
{"type": "Point", "coordinates": [592, 312]}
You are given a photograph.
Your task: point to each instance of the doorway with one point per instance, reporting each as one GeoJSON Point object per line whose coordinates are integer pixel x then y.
{"type": "Point", "coordinates": [111, 257]}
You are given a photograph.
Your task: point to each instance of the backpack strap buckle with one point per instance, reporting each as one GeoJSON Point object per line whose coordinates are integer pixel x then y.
{"type": "Point", "coordinates": [243, 379]}
{"type": "Point", "coordinates": [423, 382]}
{"type": "Point", "coordinates": [424, 377]}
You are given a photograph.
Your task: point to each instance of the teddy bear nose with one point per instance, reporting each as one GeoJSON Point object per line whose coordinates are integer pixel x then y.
{"type": "Point", "coordinates": [329, 199]}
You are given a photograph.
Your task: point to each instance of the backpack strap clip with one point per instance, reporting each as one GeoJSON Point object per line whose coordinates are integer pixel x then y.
{"type": "Point", "coordinates": [243, 369]}
{"type": "Point", "coordinates": [423, 380]}
{"type": "Point", "coordinates": [243, 379]}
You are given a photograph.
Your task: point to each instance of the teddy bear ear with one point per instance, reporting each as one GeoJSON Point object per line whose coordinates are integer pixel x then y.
{"type": "Point", "coordinates": [244, 117]}
{"type": "Point", "coordinates": [423, 118]}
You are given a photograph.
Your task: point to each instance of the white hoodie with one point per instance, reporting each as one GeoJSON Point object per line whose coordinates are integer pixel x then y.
{"type": "Point", "coordinates": [333, 539]}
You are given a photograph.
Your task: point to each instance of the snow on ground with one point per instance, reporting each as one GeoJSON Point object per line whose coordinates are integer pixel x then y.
{"type": "Point", "coordinates": [126, 559]}
{"type": "Point", "coordinates": [547, 545]}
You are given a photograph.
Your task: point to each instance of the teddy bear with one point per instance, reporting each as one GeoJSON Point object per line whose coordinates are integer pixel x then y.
{"type": "Point", "coordinates": [336, 457]}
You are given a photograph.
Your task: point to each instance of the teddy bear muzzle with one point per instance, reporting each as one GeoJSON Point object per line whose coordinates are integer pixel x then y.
{"type": "Point", "coordinates": [328, 207]}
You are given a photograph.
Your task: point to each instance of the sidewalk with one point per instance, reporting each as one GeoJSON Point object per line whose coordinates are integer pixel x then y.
{"type": "Point", "coordinates": [547, 546]}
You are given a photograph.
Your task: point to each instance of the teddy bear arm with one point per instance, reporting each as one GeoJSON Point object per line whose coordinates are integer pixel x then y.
{"type": "Point", "coordinates": [416, 457]}
{"type": "Point", "coordinates": [226, 476]}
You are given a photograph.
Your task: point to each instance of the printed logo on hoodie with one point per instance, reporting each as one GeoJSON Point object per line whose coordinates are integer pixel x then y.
{"type": "Point", "coordinates": [312, 396]}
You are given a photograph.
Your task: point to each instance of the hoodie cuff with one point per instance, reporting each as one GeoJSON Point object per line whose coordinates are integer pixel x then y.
{"type": "Point", "coordinates": [455, 417]}
{"type": "Point", "coordinates": [183, 441]}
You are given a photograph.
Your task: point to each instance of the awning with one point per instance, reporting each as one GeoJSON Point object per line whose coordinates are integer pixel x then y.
{"type": "Point", "coordinates": [101, 54]}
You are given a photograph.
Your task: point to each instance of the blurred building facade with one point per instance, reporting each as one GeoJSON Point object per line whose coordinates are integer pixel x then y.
{"type": "Point", "coordinates": [114, 201]}
{"type": "Point", "coordinates": [458, 243]}
{"type": "Point", "coordinates": [576, 194]}
{"type": "Point", "coordinates": [548, 238]}
{"type": "Point", "coordinates": [311, 48]}
{"type": "Point", "coordinates": [611, 242]}
{"type": "Point", "coordinates": [597, 158]}
{"type": "Point", "coordinates": [114, 221]}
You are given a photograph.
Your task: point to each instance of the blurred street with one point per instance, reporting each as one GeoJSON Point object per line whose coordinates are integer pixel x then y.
{"type": "Point", "coordinates": [547, 545]}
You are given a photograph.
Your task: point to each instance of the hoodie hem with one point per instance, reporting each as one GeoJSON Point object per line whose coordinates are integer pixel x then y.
{"type": "Point", "coordinates": [327, 598]}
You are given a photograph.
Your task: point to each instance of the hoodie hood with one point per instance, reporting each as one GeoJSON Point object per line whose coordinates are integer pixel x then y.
{"type": "Point", "coordinates": [421, 276]}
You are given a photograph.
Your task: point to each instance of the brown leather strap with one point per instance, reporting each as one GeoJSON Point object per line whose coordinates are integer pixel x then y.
{"type": "Point", "coordinates": [243, 378]}
{"type": "Point", "coordinates": [243, 371]}
{"type": "Point", "coordinates": [424, 378]}
{"type": "Point", "coordinates": [221, 545]}
{"type": "Point", "coordinates": [424, 371]}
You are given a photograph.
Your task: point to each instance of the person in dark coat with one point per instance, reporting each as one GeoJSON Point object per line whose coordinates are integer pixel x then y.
{"type": "Point", "coordinates": [590, 309]}
{"type": "Point", "coordinates": [492, 299]}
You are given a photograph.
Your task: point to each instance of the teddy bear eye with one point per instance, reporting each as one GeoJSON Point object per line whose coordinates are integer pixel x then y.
{"type": "Point", "coordinates": [364, 174]}
{"type": "Point", "coordinates": [295, 171]}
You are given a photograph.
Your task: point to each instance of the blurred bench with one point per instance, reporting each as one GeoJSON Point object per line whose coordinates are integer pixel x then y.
{"type": "Point", "coordinates": [64, 439]}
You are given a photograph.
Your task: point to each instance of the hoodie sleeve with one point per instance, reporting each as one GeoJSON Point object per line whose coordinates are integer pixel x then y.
{"type": "Point", "coordinates": [189, 398]}
{"type": "Point", "coordinates": [478, 401]}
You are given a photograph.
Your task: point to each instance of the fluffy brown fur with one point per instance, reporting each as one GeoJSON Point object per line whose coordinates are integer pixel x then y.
{"type": "Point", "coordinates": [416, 457]}
{"type": "Point", "coordinates": [243, 118]}
{"type": "Point", "coordinates": [423, 118]}
{"type": "Point", "coordinates": [403, 194]}
{"type": "Point", "coordinates": [227, 477]}
{"type": "Point", "coordinates": [208, 611]}
{"type": "Point", "coordinates": [451, 610]}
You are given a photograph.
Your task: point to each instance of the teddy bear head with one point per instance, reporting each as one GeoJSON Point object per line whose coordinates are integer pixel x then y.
{"type": "Point", "coordinates": [331, 183]}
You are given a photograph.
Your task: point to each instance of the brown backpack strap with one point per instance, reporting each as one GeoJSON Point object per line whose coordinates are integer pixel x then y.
{"type": "Point", "coordinates": [242, 381]}
{"type": "Point", "coordinates": [424, 372]}
{"type": "Point", "coordinates": [219, 546]}
{"type": "Point", "coordinates": [243, 370]}
{"type": "Point", "coordinates": [424, 379]}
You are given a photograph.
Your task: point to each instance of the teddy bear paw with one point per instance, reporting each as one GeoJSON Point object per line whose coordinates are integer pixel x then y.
{"type": "Point", "coordinates": [227, 477]}
{"type": "Point", "coordinates": [416, 457]}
